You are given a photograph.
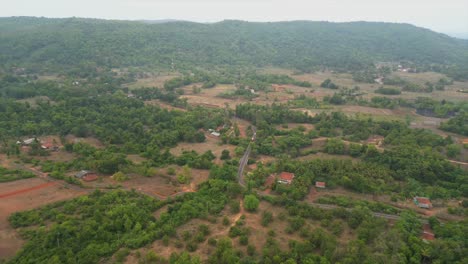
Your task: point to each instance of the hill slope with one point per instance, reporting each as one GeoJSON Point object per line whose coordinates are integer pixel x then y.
{"type": "Point", "coordinates": [46, 42]}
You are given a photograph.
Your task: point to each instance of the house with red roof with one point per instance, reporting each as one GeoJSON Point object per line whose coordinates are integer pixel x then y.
{"type": "Point", "coordinates": [320, 184]}
{"type": "Point", "coordinates": [422, 202]}
{"type": "Point", "coordinates": [286, 177]}
{"type": "Point", "coordinates": [86, 175]}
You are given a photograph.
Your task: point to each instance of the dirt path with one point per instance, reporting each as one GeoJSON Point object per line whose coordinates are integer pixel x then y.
{"type": "Point", "coordinates": [458, 162]}
{"type": "Point", "coordinates": [234, 219]}
{"type": "Point", "coordinates": [37, 187]}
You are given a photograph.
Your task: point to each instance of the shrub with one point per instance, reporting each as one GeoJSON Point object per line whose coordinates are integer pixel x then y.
{"type": "Point", "coordinates": [251, 202]}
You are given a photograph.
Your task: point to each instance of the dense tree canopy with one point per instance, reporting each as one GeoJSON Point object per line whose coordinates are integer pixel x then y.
{"type": "Point", "coordinates": [46, 44]}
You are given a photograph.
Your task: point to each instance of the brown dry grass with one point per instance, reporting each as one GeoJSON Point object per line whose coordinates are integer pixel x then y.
{"type": "Point", "coordinates": [156, 80]}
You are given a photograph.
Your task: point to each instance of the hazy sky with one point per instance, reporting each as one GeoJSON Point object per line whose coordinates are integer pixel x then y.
{"type": "Point", "coordinates": [450, 16]}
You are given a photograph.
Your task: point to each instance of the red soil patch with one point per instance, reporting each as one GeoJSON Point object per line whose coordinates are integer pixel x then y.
{"type": "Point", "coordinates": [32, 193]}
{"type": "Point", "coordinates": [37, 187]}
{"type": "Point", "coordinates": [428, 234]}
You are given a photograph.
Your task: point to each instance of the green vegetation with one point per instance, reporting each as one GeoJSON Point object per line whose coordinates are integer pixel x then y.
{"type": "Point", "coordinates": [90, 95]}
{"type": "Point", "coordinates": [88, 228]}
{"type": "Point", "coordinates": [251, 202]}
{"type": "Point", "coordinates": [388, 91]}
{"type": "Point", "coordinates": [328, 84]}
{"type": "Point", "coordinates": [357, 45]}
{"type": "Point", "coordinates": [457, 124]}
{"type": "Point", "coordinates": [7, 175]}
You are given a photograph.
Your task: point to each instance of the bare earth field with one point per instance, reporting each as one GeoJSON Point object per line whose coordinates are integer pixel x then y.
{"type": "Point", "coordinates": [25, 198]}
{"type": "Point", "coordinates": [157, 80]}
{"type": "Point", "coordinates": [345, 80]}
{"type": "Point", "coordinates": [212, 143]}
{"type": "Point", "coordinates": [88, 140]}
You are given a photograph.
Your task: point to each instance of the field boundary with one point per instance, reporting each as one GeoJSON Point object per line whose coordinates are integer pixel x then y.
{"type": "Point", "coordinates": [37, 187]}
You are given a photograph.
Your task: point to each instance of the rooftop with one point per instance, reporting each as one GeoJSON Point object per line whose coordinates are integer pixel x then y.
{"type": "Point", "coordinates": [423, 200]}
{"type": "Point", "coordinates": [287, 176]}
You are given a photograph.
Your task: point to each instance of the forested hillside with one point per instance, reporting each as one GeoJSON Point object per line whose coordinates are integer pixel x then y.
{"type": "Point", "coordinates": [49, 44]}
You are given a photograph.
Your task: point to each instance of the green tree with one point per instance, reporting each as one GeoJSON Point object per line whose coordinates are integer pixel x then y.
{"type": "Point", "coordinates": [251, 202]}
{"type": "Point", "coordinates": [453, 150]}
{"type": "Point", "coordinates": [225, 155]}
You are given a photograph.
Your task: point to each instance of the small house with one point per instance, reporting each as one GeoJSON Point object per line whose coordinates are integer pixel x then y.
{"type": "Point", "coordinates": [86, 175]}
{"type": "Point", "coordinates": [320, 184]}
{"type": "Point", "coordinates": [422, 202]}
{"type": "Point", "coordinates": [216, 134]}
{"type": "Point", "coordinates": [286, 178]}
{"type": "Point", "coordinates": [29, 141]}
{"type": "Point", "coordinates": [375, 140]}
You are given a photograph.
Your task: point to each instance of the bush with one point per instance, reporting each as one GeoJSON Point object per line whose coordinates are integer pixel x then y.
{"type": "Point", "coordinates": [226, 221]}
{"type": "Point", "coordinates": [251, 202]}
{"type": "Point", "coordinates": [171, 171]}
{"type": "Point", "coordinates": [267, 217]}
{"type": "Point", "coordinates": [120, 177]}
{"type": "Point", "coordinates": [234, 206]}
{"type": "Point", "coordinates": [212, 241]}
{"type": "Point", "coordinates": [225, 155]}
{"type": "Point", "coordinates": [453, 150]}
{"type": "Point", "coordinates": [250, 250]}
{"type": "Point", "coordinates": [191, 246]}
{"type": "Point", "coordinates": [388, 91]}
{"type": "Point", "coordinates": [244, 240]}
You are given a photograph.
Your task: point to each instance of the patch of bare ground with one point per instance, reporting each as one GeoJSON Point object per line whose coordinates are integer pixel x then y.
{"type": "Point", "coordinates": [211, 143]}
{"type": "Point", "coordinates": [257, 237]}
{"type": "Point", "coordinates": [259, 233]}
{"type": "Point", "coordinates": [26, 198]}
{"type": "Point", "coordinates": [88, 140]}
{"type": "Point", "coordinates": [316, 193]}
{"type": "Point", "coordinates": [6, 162]}
{"type": "Point", "coordinates": [154, 80]}
{"type": "Point", "coordinates": [158, 185]}
{"type": "Point", "coordinates": [164, 105]}
{"type": "Point", "coordinates": [291, 126]}
{"type": "Point", "coordinates": [345, 80]}
{"type": "Point", "coordinates": [32, 101]}
{"type": "Point", "coordinates": [137, 159]}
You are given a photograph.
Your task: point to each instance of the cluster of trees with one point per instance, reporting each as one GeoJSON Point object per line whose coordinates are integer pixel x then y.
{"type": "Point", "coordinates": [150, 93]}
{"type": "Point", "coordinates": [75, 43]}
{"type": "Point", "coordinates": [430, 107]}
{"type": "Point", "coordinates": [388, 90]}
{"type": "Point", "coordinates": [375, 241]}
{"type": "Point", "coordinates": [457, 124]}
{"type": "Point", "coordinates": [428, 87]}
{"type": "Point", "coordinates": [329, 84]}
{"type": "Point", "coordinates": [243, 79]}
{"type": "Point", "coordinates": [22, 87]}
{"type": "Point", "coordinates": [240, 92]}
{"type": "Point", "coordinates": [270, 114]}
{"type": "Point", "coordinates": [7, 175]}
{"type": "Point", "coordinates": [115, 120]}
{"type": "Point", "coordinates": [349, 202]}
{"type": "Point", "coordinates": [90, 228]}
{"type": "Point", "coordinates": [413, 157]}
{"type": "Point", "coordinates": [303, 101]}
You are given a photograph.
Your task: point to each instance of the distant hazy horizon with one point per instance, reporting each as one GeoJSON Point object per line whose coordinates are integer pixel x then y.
{"type": "Point", "coordinates": [449, 16]}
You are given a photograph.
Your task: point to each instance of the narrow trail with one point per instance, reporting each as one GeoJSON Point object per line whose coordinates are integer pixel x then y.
{"type": "Point", "coordinates": [234, 219]}
{"type": "Point", "coordinates": [37, 187]}
{"type": "Point", "coordinates": [458, 162]}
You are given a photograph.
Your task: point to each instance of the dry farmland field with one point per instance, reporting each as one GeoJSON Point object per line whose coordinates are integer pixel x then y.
{"type": "Point", "coordinates": [24, 195]}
